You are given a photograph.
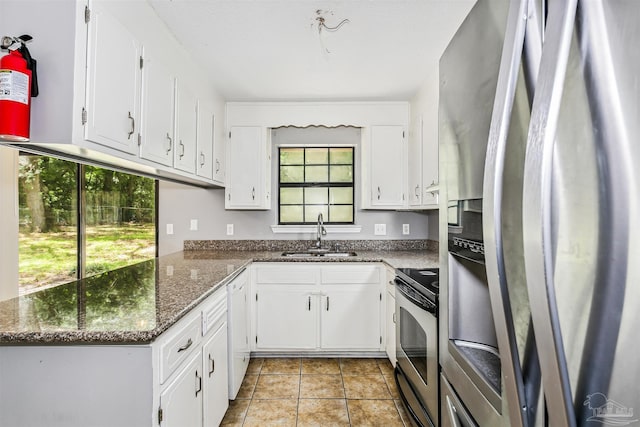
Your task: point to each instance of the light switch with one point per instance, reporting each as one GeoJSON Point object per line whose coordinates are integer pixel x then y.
{"type": "Point", "coordinates": [193, 225]}
{"type": "Point", "coordinates": [380, 229]}
{"type": "Point", "coordinates": [169, 228]}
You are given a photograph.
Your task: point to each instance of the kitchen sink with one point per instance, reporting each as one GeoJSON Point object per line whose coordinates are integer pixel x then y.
{"type": "Point", "coordinates": [318, 253]}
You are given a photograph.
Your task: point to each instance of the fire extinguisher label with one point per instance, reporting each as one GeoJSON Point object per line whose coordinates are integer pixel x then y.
{"type": "Point", "coordinates": [14, 86]}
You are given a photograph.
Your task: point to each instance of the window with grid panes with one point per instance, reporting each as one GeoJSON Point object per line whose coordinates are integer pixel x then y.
{"type": "Point", "coordinates": [314, 180]}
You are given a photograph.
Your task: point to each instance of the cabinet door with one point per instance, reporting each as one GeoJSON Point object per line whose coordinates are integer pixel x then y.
{"type": "Point", "coordinates": [181, 400]}
{"type": "Point", "coordinates": [205, 142]}
{"type": "Point", "coordinates": [414, 151]}
{"type": "Point", "coordinates": [186, 129]}
{"type": "Point", "coordinates": [387, 169]}
{"type": "Point", "coordinates": [158, 105]}
{"type": "Point", "coordinates": [246, 168]}
{"type": "Point", "coordinates": [113, 83]}
{"type": "Point", "coordinates": [391, 327]}
{"type": "Point", "coordinates": [430, 156]}
{"type": "Point", "coordinates": [216, 392]}
{"type": "Point", "coordinates": [350, 317]}
{"type": "Point", "coordinates": [286, 317]}
{"type": "Point", "coordinates": [238, 291]}
{"type": "Point", "coordinates": [219, 157]}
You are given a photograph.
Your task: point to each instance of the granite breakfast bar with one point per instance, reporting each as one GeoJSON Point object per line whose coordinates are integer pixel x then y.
{"type": "Point", "coordinates": [135, 304]}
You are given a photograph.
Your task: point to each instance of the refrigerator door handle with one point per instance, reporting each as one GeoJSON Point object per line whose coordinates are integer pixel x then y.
{"type": "Point", "coordinates": [537, 212]}
{"type": "Point", "coordinates": [520, 413]}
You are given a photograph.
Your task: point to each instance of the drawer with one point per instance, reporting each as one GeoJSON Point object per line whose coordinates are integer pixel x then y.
{"type": "Point", "coordinates": [179, 344]}
{"type": "Point", "coordinates": [351, 274]}
{"type": "Point", "coordinates": [289, 273]}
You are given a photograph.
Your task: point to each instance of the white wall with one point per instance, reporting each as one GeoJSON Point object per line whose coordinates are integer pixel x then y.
{"type": "Point", "coordinates": [179, 204]}
{"type": "Point", "coordinates": [8, 223]}
{"type": "Point", "coordinates": [425, 104]}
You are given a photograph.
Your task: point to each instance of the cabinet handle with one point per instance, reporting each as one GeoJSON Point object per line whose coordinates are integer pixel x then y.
{"type": "Point", "coordinates": [378, 193]}
{"type": "Point", "coordinates": [170, 143]}
{"type": "Point", "coordinates": [417, 192]}
{"type": "Point", "coordinates": [182, 151]}
{"type": "Point", "coordinates": [186, 346]}
{"type": "Point", "coordinates": [202, 159]}
{"type": "Point", "coordinates": [217, 166]}
{"type": "Point", "coordinates": [198, 383]}
{"type": "Point", "coordinates": [327, 302]}
{"type": "Point", "coordinates": [133, 126]}
{"type": "Point", "coordinates": [309, 302]}
{"type": "Point", "coordinates": [253, 193]}
{"type": "Point", "coordinates": [213, 365]}
{"type": "Point", "coordinates": [394, 317]}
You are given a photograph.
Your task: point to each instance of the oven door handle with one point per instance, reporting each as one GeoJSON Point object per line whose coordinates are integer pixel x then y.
{"type": "Point", "coordinates": [425, 305]}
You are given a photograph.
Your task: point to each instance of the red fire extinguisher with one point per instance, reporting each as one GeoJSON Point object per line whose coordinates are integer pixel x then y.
{"type": "Point", "coordinates": [17, 86]}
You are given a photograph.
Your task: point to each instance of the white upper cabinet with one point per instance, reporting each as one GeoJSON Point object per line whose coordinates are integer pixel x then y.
{"type": "Point", "coordinates": [430, 183]}
{"type": "Point", "coordinates": [423, 167]}
{"type": "Point", "coordinates": [108, 71]}
{"type": "Point", "coordinates": [249, 159]}
{"type": "Point", "coordinates": [219, 156]}
{"type": "Point", "coordinates": [113, 86]}
{"type": "Point", "coordinates": [414, 163]}
{"type": "Point", "coordinates": [158, 101]}
{"type": "Point", "coordinates": [186, 129]}
{"type": "Point", "coordinates": [386, 158]}
{"type": "Point", "coordinates": [205, 142]}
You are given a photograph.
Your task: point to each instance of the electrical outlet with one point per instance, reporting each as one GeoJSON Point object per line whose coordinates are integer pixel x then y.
{"type": "Point", "coordinates": [229, 229]}
{"type": "Point", "coordinates": [169, 228]}
{"type": "Point", "coordinates": [380, 229]}
{"type": "Point", "coordinates": [193, 226]}
{"type": "Point", "coordinates": [405, 229]}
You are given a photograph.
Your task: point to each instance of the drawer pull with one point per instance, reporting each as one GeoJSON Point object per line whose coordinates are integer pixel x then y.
{"type": "Point", "coordinates": [186, 346]}
{"type": "Point", "coordinates": [213, 365]}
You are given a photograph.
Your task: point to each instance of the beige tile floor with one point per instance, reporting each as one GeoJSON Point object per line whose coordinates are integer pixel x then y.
{"type": "Point", "coordinates": [317, 392]}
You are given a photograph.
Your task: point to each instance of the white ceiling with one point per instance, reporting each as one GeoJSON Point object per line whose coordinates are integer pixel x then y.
{"type": "Point", "coordinates": [270, 50]}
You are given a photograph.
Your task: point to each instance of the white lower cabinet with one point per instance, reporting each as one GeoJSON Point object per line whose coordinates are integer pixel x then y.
{"type": "Point", "coordinates": [286, 317]}
{"type": "Point", "coordinates": [313, 307]}
{"type": "Point", "coordinates": [197, 395]}
{"type": "Point", "coordinates": [215, 377]}
{"type": "Point", "coordinates": [180, 379]}
{"type": "Point", "coordinates": [390, 317]}
{"type": "Point", "coordinates": [350, 317]}
{"type": "Point", "coordinates": [181, 400]}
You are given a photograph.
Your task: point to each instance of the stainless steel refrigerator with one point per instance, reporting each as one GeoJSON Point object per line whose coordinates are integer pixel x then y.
{"type": "Point", "coordinates": [541, 162]}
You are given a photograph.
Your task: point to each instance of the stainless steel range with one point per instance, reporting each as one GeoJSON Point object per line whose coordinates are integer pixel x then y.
{"type": "Point", "coordinates": [417, 368]}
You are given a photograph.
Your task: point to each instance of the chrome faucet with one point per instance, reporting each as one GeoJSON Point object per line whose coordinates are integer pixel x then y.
{"type": "Point", "coordinates": [320, 232]}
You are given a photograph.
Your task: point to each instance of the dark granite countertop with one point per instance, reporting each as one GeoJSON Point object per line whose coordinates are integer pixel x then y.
{"type": "Point", "coordinates": [135, 304]}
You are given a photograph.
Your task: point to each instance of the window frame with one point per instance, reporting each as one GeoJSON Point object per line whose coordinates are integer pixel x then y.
{"type": "Point", "coordinates": [80, 211]}
{"type": "Point", "coordinates": [326, 184]}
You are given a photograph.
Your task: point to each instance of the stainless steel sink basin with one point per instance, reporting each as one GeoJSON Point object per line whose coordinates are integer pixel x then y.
{"type": "Point", "coordinates": [318, 253]}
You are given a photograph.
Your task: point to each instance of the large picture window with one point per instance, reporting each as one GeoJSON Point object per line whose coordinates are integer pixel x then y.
{"type": "Point", "coordinates": [78, 220]}
{"type": "Point", "coordinates": [314, 180]}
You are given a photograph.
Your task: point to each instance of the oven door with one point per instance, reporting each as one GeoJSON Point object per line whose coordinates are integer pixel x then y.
{"type": "Point", "coordinates": [417, 354]}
